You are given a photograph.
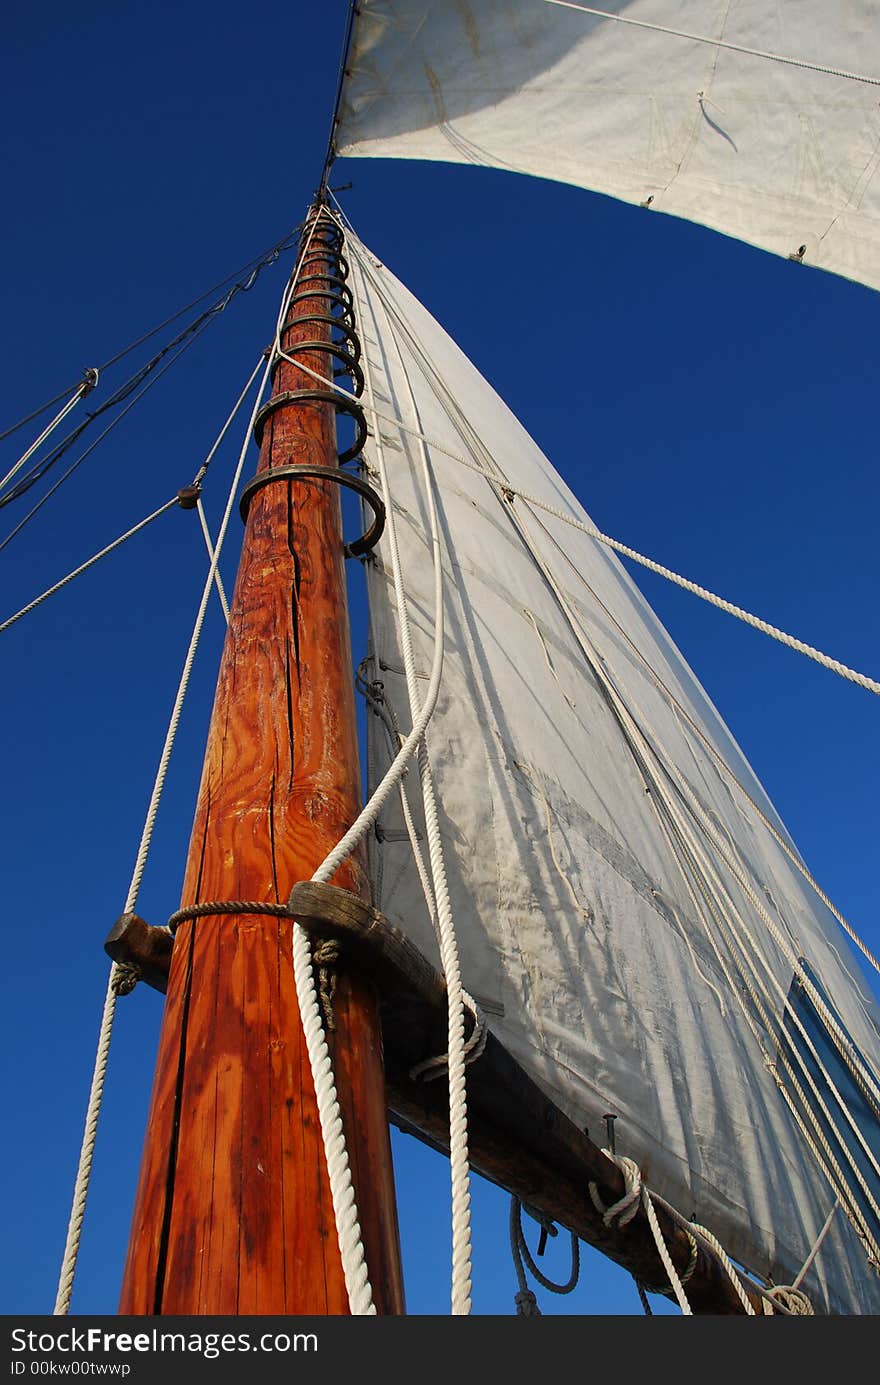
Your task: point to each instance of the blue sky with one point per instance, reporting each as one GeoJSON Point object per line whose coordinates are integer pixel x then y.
{"type": "Point", "coordinates": [711, 406]}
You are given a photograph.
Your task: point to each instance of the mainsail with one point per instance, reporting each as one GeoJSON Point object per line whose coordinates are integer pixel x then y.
{"type": "Point", "coordinates": [759, 121]}
{"type": "Point", "coordinates": [630, 911]}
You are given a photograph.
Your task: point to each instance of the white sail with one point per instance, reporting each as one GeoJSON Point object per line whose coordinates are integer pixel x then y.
{"type": "Point", "coordinates": [627, 908]}
{"type": "Point", "coordinates": [768, 132]}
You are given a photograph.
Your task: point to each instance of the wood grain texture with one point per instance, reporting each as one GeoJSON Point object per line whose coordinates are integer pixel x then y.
{"type": "Point", "coordinates": [233, 1212]}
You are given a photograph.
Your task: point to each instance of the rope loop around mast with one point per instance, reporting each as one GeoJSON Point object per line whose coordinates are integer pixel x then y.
{"type": "Point", "coordinates": [226, 906]}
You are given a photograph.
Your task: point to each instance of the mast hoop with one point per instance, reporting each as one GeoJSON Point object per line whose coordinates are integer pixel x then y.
{"type": "Point", "coordinates": [332, 279]}
{"type": "Point", "coordinates": [334, 349]}
{"type": "Point", "coordinates": [296, 472]}
{"type": "Point", "coordinates": [347, 314]}
{"type": "Point", "coordinates": [339, 402]}
{"type": "Point", "coordinates": [349, 335]}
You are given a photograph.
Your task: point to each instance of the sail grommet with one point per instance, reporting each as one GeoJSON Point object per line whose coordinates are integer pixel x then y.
{"type": "Point", "coordinates": [295, 472]}
{"type": "Point", "coordinates": [339, 402]}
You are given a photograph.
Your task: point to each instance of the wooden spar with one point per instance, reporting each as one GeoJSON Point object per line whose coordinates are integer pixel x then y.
{"type": "Point", "coordinates": [233, 1212]}
{"type": "Point", "coordinates": [517, 1137]}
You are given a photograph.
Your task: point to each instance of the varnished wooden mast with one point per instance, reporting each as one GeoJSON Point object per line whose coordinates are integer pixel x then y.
{"type": "Point", "coordinates": [233, 1211]}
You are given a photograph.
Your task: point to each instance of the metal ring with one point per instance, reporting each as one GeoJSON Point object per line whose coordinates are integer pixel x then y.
{"type": "Point", "coordinates": [348, 332]}
{"type": "Point", "coordinates": [341, 265]}
{"type": "Point", "coordinates": [331, 298]}
{"type": "Point", "coordinates": [339, 402]}
{"type": "Point", "coordinates": [333, 348]}
{"type": "Point", "coordinates": [323, 473]}
{"type": "Point", "coordinates": [333, 280]}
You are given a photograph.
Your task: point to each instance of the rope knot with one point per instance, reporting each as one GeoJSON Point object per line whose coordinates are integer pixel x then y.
{"type": "Point", "coordinates": [325, 956]}
{"type": "Point", "coordinates": [527, 1304]}
{"type": "Point", "coordinates": [625, 1208]}
{"type": "Point", "coordinates": [125, 977]}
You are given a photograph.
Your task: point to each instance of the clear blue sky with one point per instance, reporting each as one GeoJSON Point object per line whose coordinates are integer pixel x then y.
{"type": "Point", "coordinates": [712, 406]}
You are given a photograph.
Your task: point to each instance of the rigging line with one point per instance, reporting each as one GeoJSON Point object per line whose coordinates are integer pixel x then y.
{"type": "Point", "coordinates": [648, 745]}
{"type": "Point", "coordinates": [383, 710]}
{"type": "Point", "coordinates": [96, 1091]}
{"type": "Point", "coordinates": [718, 43]}
{"type": "Point", "coordinates": [334, 119]}
{"type": "Point", "coordinates": [816, 1247]}
{"type": "Point", "coordinates": [834, 665]}
{"type": "Point", "coordinates": [691, 859]}
{"type": "Point", "coordinates": [446, 406]}
{"type": "Point", "coordinates": [722, 907]}
{"type": "Point", "coordinates": [260, 261]}
{"type": "Point", "coordinates": [29, 418]}
{"type": "Point", "coordinates": [192, 330]}
{"type": "Point", "coordinates": [210, 547]}
{"type": "Point", "coordinates": [90, 562]}
{"type": "Point", "coordinates": [84, 388]}
{"type": "Point", "coordinates": [688, 865]}
{"type": "Point", "coordinates": [717, 894]}
{"type": "Point", "coordinates": [482, 471]}
{"type": "Point", "coordinates": [203, 470]}
{"type": "Point", "coordinates": [458, 1150]}
{"type": "Point", "coordinates": [784, 1093]}
{"type": "Point", "coordinates": [719, 759]}
{"type": "Point", "coordinates": [762, 913]}
{"type": "Point", "coordinates": [148, 384]}
{"type": "Point", "coordinates": [523, 1256]}
{"type": "Point", "coordinates": [560, 514]}
{"type": "Point", "coordinates": [263, 261]}
{"type": "Point", "coordinates": [328, 1109]}
{"type": "Point", "coordinates": [348, 1232]}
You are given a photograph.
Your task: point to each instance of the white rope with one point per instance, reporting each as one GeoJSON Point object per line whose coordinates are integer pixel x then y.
{"type": "Point", "coordinates": [718, 43]}
{"type": "Point", "coordinates": [802, 1272]}
{"type": "Point", "coordinates": [650, 745]}
{"type": "Point", "coordinates": [794, 1301]}
{"type": "Point", "coordinates": [210, 547]}
{"type": "Point", "coordinates": [843, 1046]}
{"type": "Point", "coordinates": [726, 916]}
{"type": "Point", "coordinates": [840, 1038]}
{"type": "Point", "coordinates": [83, 567]}
{"type": "Point", "coordinates": [636, 1195]}
{"type": "Point", "coordinates": [85, 387]}
{"type": "Point", "coordinates": [722, 764]}
{"type": "Point", "coordinates": [351, 1249]}
{"type": "Point", "coordinates": [457, 1049]}
{"type": "Point", "coordinates": [757, 623]}
{"type": "Point", "coordinates": [87, 1150]}
{"type": "Point", "coordinates": [502, 484]}
{"type": "Point", "coordinates": [342, 1194]}
{"type": "Point", "coordinates": [348, 1232]}
{"type": "Point", "coordinates": [601, 673]}
{"type": "Point", "coordinates": [81, 1184]}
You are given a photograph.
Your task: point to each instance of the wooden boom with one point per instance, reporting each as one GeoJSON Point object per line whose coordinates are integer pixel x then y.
{"type": "Point", "coordinates": [517, 1137]}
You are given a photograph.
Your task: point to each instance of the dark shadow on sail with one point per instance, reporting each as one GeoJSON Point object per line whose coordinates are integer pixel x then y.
{"type": "Point", "coordinates": [502, 47]}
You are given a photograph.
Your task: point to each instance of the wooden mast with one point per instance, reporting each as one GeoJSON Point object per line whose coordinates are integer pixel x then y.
{"type": "Point", "coordinates": [233, 1212]}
